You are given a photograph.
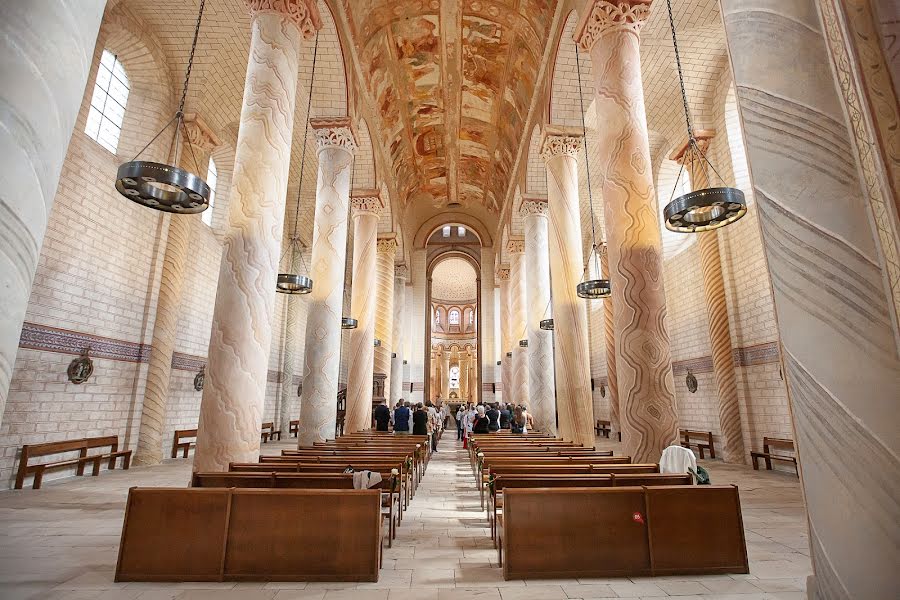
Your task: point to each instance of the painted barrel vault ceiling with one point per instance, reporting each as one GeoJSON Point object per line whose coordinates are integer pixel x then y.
{"type": "Point", "coordinates": [451, 83]}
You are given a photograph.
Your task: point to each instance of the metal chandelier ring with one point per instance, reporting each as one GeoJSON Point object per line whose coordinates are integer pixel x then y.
{"type": "Point", "coordinates": [162, 187]}
{"type": "Point", "coordinates": [704, 210]}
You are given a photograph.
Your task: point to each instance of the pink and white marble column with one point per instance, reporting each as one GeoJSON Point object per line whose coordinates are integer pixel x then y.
{"type": "Point", "coordinates": [401, 272]}
{"type": "Point", "coordinates": [505, 343]}
{"type": "Point", "coordinates": [367, 207]}
{"type": "Point", "coordinates": [336, 143]}
{"type": "Point", "coordinates": [384, 306]}
{"type": "Point", "coordinates": [610, 32]}
{"type": "Point", "coordinates": [234, 394]}
{"type": "Point", "coordinates": [559, 149]}
{"type": "Point", "coordinates": [518, 310]}
{"type": "Point", "coordinates": [541, 377]}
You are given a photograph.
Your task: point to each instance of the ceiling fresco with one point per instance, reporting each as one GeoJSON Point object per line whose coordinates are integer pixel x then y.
{"type": "Point", "coordinates": [451, 83]}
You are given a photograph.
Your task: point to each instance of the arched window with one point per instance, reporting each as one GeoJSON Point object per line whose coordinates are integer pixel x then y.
{"type": "Point", "coordinates": [437, 318]}
{"type": "Point", "coordinates": [212, 177]}
{"type": "Point", "coordinates": [472, 317]}
{"type": "Point", "coordinates": [104, 122]}
{"type": "Point", "coordinates": [453, 317]}
{"type": "Point", "coordinates": [454, 376]}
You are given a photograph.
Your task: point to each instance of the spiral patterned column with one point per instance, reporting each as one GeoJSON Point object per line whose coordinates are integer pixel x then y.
{"type": "Point", "coordinates": [505, 343]}
{"type": "Point", "coordinates": [396, 378]}
{"type": "Point", "coordinates": [541, 378]}
{"type": "Point", "coordinates": [240, 341]}
{"type": "Point", "coordinates": [384, 308]}
{"type": "Point", "coordinates": [717, 312]}
{"type": "Point", "coordinates": [610, 32]}
{"type": "Point", "coordinates": [367, 208]}
{"type": "Point", "coordinates": [609, 338]}
{"type": "Point", "coordinates": [336, 144]}
{"type": "Point", "coordinates": [518, 310]}
{"type": "Point", "coordinates": [559, 149]}
{"type": "Point", "coordinates": [169, 304]}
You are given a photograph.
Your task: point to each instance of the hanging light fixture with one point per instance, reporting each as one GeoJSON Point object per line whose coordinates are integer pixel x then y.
{"type": "Point", "coordinates": [349, 323]}
{"type": "Point", "coordinates": [294, 283]}
{"type": "Point", "coordinates": [162, 186]}
{"type": "Point", "coordinates": [547, 324]}
{"type": "Point", "coordinates": [377, 343]}
{"type": "Point", "coordinates": [523, 343]}
{"type": "Point", "coordinates": [589, 289]}
{"type": "Point", "coordinates": [705, 209]}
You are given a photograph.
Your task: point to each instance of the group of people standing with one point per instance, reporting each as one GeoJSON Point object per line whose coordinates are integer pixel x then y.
{"type": "Point", "coordinates": [487, 418]}
{"type": "Point", "coordinates": [426, 418]}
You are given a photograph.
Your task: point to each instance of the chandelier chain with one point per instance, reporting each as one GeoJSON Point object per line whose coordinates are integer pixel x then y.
{"type": "Point", "coordinates": [687, 112]}
{"type": "Point", "coordinates": [190, 65]}
{"type": "Point", "coordinates": [587, 164]}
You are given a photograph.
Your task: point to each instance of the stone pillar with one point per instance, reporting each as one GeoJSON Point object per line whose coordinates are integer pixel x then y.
{"type": "Point", "coordinates": [518, 310]}
{"type": "Point", "coordinates": [541, 377]}
{"type": "Point", "coordinates": [397, 343]}
{"type": "Point", "coordinates": [231, 411]}
{"type": "Point", "coordinates": [445, 375]}
{"type": "Point", "coordinates": [505, 335]}
{"type": "Point", "coordinates": [612, 386]}
{"type": "Point", "coordinates": [384, 307]}
{"type": "Point", "coordinates": [367, 208]}
{"type": "Point", "coordinates": [47, 49]}
{"type": "Point", "coordinates": [559, 149]}
{"type": "Point", "coordinates": [292, 335]}
{"type": "Point", "coordinates": [716, 310]}
{"type": "Point", "coordinates": [168, 305]}
{"type": "Point", "coordinates": [822, 230]}
{"type": "Point", "coordinates": [464, 362]}
{"type": "Point", "coordinates": [336, 144]}
{"type": "Point", "coordinates": [609, 31]}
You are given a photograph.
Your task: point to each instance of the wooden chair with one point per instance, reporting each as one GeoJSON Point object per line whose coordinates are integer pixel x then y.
{"type": "Point", "coordinates": [602, 428]}
{"type": "Point", "coordinates": [707, 443]}
{"type": "Point", "coordinates": [82, 446]}
{"type": "Point", "coordinates": [294, 428]}
{"type": "Point", "coordinates": [769, 456]}
{"type": "Point", "coordinates": [179, 443]}
{"type": "Point", "coordinates": [269, 432]}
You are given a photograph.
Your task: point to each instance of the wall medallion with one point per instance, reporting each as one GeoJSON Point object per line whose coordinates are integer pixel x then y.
{"type": "Point", "coordinates": [200, 378]}
{"type": "Point", "coordinates": [691, 382]}
{"type": "Point", "coordinates": [81, 368]}
{"type": "Point", "coordinates": [602, 391]}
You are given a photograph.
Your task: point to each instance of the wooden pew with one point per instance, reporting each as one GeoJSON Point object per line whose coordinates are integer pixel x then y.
{"type": "Point", "coordinates": [82, 446]}
{"type": "Point", "coordinates": [214, 534]}
{"type": "Point", "coordinates": [178, 442]}
{"type": "Point", "coordinates": [603, 428]}
{"type": "Point", "coordinates": [621, 532]}
{"type": "Point", "coordinates": [269, 432]}
{"type": "Point", "coordinates": [769, 456]}
{"type": "Point", "coordinates": [706, 443]}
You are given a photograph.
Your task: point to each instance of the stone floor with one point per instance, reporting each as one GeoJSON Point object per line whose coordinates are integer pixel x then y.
{"type": "Point", "coordinates": [61, 543]}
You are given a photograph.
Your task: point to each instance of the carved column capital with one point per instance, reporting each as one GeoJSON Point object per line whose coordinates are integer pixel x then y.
{"type": "Point", "coordinates": [602, 16]}
{"type": "Point", "coordinates": [387, 245]}
{"type": "Point", "coordinates": [503, 273]}
{"type": "Point", "coordinates": [703, 138]}
{"type": "Point", "coordinates": [302, 13]}
{"type": "Point", "coordinates": [515, 245]}
{"type": "Point", "coordinates": [334, 132]}
{"type": "Point", "coordinates": [366, 202]}
{"type": "Point", "coordinates": [198, 134]}
{"type": "Point", "coordinates": [534, 206]}
{"type": "Point", "coordinates": [559, 140]}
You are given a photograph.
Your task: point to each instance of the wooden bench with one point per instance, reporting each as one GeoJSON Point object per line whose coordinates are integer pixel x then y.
{"type": "Point", "coordinates": [707, 443]}
{"type": "Point", "coordinates": [769, 456]}
{"type": "Point", "coordinates": [269, 432]}
{"type": "Point", "coordinates": [81, 446]}
{"type": "Point", "coordinates": [602, 428]}
{"type": "Point", "coordinates": [214, 534]}
{"type": "Point", "coordinates": [294, 428]}
{"type": "Point", "coordinates": [569, 533]}
{"type": "Point", "coordinates": [178, 442]}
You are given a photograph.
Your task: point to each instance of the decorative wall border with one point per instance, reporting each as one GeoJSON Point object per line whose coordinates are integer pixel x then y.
{"type": "Point", "coordinates": [65, 341]}
{"type": "Point", "coordinates": [187, 362]}
{"type": "Point", "coordinates": [758, 354]}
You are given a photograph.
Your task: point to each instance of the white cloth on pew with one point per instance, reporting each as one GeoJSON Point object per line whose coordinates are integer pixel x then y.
{"type": "Point", "coordinates": [677, 459]}
{"type": "Point", "coordinates": [363, 480]}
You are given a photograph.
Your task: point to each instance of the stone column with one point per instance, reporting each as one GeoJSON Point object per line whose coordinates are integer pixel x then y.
{"type": "Point", "coordinates": [367, 208]}
{"type": "Point", "coordinates": [336, 144]}
{"type": "Point", "coordinates": [240, 342]}
{"type": "Point", "coordinates": [445, 375]}
{"type": "Point", "coordinates": [612, 386]}
{"type": "Point", "coordinates": [609, 31]}
{"type": "Point", "coordinates": [47, 49]}
{"type": "Point", "coordinates": [397, 343]}
{"type": "Point", "coordinates": [505, 335]}
{"type": "Point", "coordinates": [464, 365]}
{"type": "Point", "coordinates": [384, 307]}
{"type": "Point", "coordinates": [559, 149]}
{"type": "Point", "coordinates": [518, 310]}
{"type": "Point", "coordinates": [168, 305]}
{"type": "Point", "coordinates": [821, 229]}
{"type": "Point", "coordinates": [541, 377]}
{"type": "Point", "coordinates": [292, 335]}
{"type": "Point", "coordinates": [716, 310]}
